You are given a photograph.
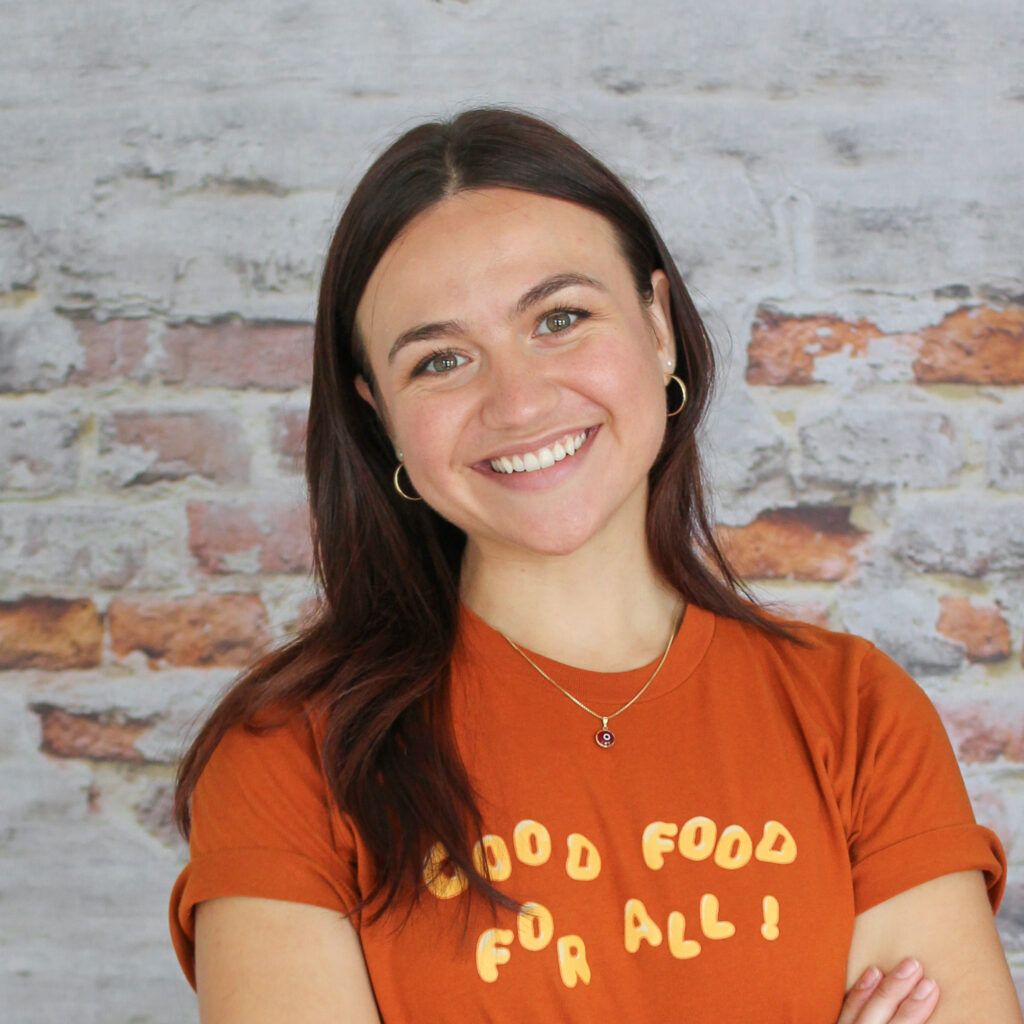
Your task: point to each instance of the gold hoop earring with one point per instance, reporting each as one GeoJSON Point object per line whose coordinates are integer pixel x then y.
{"type": "Point", "coordinates": [398, 485]}
{"type": "Point", "coordinates": [682, 394]}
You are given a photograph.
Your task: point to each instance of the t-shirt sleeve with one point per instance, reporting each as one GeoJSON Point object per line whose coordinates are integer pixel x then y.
{"type": "Point", "coordinates": [911, 815]}
{"type": "Point", "coordinates": [262, 826]}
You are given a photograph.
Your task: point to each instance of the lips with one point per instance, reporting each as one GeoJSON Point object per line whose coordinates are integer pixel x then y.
{"type": "Point", "coordinates": [543, 457]}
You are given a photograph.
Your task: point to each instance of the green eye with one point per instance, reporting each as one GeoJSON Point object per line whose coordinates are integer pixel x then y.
{"type": "Point", "coordinates": [560, 320]}
{"type": "Point", "coordinates": [439, 363]}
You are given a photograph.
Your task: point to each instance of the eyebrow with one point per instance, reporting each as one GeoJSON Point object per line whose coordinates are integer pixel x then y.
{"type": "Point", "coordinates": [540, 291]}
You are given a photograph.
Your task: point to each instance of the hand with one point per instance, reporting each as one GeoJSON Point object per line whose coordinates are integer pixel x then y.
{"type": "Point", "coordinates": [903, 996]}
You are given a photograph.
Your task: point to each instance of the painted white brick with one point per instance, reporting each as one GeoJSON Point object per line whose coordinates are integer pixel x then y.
{"type": "Point", "coordinates": [38, 453]}
{"type": "Point", "coordinates": [957, 534]}
{"type": "Point", "coordinates": [1006, 453]}
{"type": "Point", "coordinates": [878, 440]}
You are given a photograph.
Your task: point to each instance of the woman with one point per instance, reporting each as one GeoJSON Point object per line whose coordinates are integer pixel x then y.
{"type": "Point", "coordinates": [537, 758]}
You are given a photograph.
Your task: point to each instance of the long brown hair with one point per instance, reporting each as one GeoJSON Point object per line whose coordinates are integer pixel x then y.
{"type": "Point", "coordinates": [375, 661]}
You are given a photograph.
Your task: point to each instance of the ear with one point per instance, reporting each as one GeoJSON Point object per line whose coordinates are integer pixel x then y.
{"type": "Point", "coordinates": [659, 313]}
{"type": "Point", "coordinates": [366, 393]}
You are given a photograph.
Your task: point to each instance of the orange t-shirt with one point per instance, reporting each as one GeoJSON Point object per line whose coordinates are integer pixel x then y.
{"type": "Point", "coordinates": [706, 867]}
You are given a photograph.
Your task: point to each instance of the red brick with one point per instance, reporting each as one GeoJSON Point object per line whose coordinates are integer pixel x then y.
{"type": "Point", "coordinates": [239, 354]}
{"type": "Point", "coordinates": [250, 537]}
{"type": "Point", "coordinates": [983, 631]}
{"type": "Point", "coordinates": [94, 736]}
{"type": "Point", "coordinates": [289, 439]}
{"type": "Point", "coordinates": [982, 732]}
{"type": "Point", "coordinates": [182, 443]}
{"type": "Point", "coordinates": [113, 349]}
{"type": "Point", "coordinates": [49, 633]}
{"type": "Point", "coordinates": [807, 543]}
{"type": "Point", "coordinates": [973, 346]}
{"type": "Point", "coordinates": [203, 630]}
{"type": "Point", "coordinates": [783, 349]}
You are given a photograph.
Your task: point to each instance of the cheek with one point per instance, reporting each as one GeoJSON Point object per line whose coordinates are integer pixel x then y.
{"type": "Point", "coordinates": [627, 385]}
{"type": "Point", "coordinates": [426, 433]}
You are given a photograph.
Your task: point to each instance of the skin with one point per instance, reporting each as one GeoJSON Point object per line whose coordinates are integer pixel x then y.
{"type": "Point", "coordinates": [518, 384]}
{"type": "Point", "coordinates": [503, 377]}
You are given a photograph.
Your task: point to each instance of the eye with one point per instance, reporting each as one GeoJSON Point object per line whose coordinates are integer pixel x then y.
{"type": "Point", "coordinates": [440, 362]}
{"type": "Point", "coordinates": [560, 320]}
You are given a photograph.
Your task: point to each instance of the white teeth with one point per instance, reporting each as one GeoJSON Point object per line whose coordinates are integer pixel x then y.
{"type": "Point", "coordinates": [543, 458]}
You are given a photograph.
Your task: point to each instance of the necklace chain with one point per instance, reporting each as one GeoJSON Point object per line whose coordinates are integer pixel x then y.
{"type": "Point", "coordinates": [605, 719]}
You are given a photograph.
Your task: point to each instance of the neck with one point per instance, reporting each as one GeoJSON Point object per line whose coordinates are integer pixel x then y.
{"type": "Point", "coordinates": [603, 607]}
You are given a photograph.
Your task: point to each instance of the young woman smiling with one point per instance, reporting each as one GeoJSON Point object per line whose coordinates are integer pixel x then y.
{"type": "Point", "coordinates": [538, 757]}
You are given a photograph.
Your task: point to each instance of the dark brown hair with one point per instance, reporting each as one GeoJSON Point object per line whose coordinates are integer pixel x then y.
{"type": "Point", "coordinates": [374, 664]}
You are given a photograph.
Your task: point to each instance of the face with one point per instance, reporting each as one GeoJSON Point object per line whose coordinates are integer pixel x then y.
{"type": "Point", "coordinates": [517, 370]}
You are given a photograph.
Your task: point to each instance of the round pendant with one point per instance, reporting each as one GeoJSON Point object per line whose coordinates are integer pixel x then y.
{"type": "Point", "coordinates": [604, 738]}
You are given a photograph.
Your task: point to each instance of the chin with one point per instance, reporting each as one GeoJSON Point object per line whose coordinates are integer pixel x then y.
{"type": "Point", "coordinates": [565, 537]}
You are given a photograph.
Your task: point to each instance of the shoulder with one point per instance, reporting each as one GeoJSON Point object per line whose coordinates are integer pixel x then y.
{"type": "Point", "coordinates": [260, 771]}
{"type": "Point", "coordinates": [818, 656]}
{"type": "Point", "coordinates": [286, 734]}
{"type": "Point", "coordinates": [282, 737]}
{"type": "Point", "coordinates": [842, 682]}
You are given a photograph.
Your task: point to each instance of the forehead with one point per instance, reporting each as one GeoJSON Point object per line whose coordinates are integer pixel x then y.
{"type": "Point", "coordinates": [477, 251]}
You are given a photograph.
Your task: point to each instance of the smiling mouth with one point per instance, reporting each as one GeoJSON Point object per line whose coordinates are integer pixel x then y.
{"type": "Point", "coordinates": [542, 458]}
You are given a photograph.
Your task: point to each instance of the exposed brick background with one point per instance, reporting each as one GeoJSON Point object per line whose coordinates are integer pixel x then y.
{"type": "Point", "coordinates": [200, 630]}
{"type": "Point", "coordinates": [841, 190]}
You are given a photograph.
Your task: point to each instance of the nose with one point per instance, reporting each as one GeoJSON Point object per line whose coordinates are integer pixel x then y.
{"type": "Point", "coordinates": [518, 391]}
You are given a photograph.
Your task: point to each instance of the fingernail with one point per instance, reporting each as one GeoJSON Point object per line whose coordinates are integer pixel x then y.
{"type": "Point", "coordinates": [923, 989]}
{"type": "Point", "coordinates": [869, 978]}
{"type": "Point", "coordinates": [907, 968]}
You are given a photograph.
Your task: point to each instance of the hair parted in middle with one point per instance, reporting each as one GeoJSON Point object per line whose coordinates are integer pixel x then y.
{"type": "Point", "coordinates": [373, 666]}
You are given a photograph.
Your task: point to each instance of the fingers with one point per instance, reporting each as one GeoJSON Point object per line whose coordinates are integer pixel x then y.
{"type": "Point", "coordinates": [858, 996]}
{"type": "Point", "coordinates": [903, 996]}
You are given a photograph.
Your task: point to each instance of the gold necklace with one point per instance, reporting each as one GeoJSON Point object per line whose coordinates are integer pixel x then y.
{"type": "Point", "coordinates": [604, 737]}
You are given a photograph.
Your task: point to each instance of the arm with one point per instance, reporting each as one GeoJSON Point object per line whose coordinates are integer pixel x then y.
{"type": "Point", "coordinates": [948, 925]}
{"type": "Point", "coordinates": [279, 962]}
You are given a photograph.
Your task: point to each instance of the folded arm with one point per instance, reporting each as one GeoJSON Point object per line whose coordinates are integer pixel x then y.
{"type": "Point", "coordinates": [947, 924]}
{"type": "Point", "coordinates": [279, 962]}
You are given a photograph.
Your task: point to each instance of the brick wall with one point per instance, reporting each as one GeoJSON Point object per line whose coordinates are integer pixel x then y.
{"type": "Point", "coordinates": [842, 191]}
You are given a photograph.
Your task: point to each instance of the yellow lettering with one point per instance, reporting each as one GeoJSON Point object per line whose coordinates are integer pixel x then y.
{"type": "Point", "coordinates": [491, 951]}
{"type": "Point", "coordinates": [584, 862]}
{"type": "Point", "coordinates": [679, 946]}
{"type": "Point", "coordinates": [777, 845]}
{"type": "Point", "coordinates": [697, 838]}
{"type": "Point", "coordinates": [709, 923]}
{"type": "Point", "coordinates": [639, 926]}
{"type": "Point", "coordinates": [770, 928]}
{"type": "Point", "coordinates": [490, 855]}
{"type": "Point", "coordinates": [734, 848]}
{"type": "Point", "coordinates": [443, 879]}
{"type": "Point", "coordinates": [532, 842]}
{"type": "Point", "coordinates": [572, 961]}
{"type": "Point", "coordinates": [536, 926]}
{"type": "Point", "coordinates": [657, 841]}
